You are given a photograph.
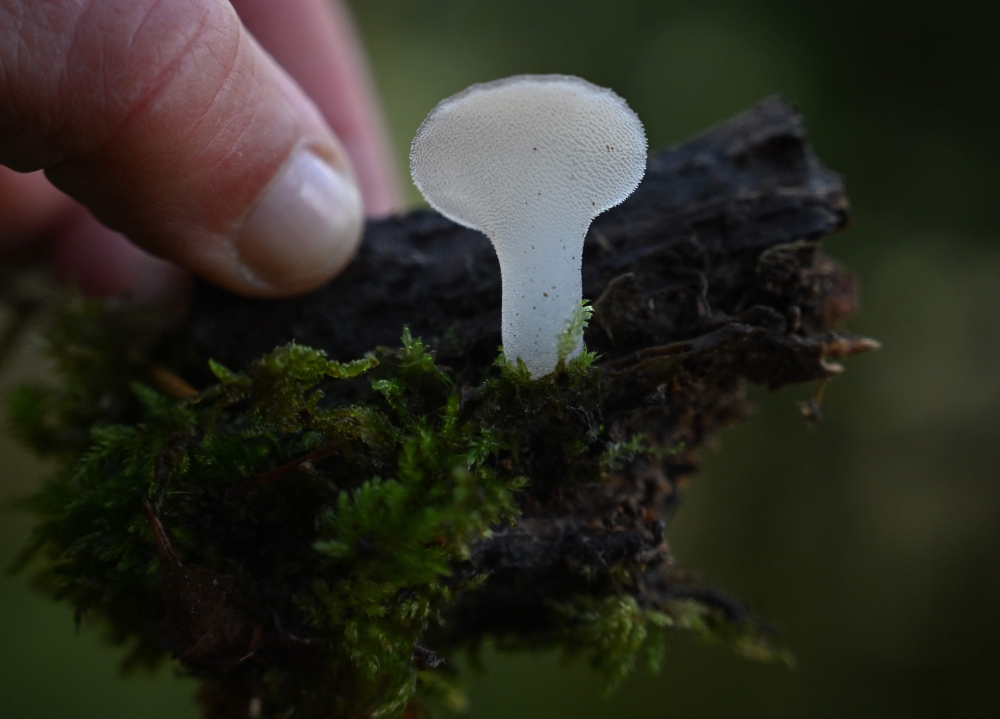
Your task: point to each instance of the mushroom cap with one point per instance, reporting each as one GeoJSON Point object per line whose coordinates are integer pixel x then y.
{"type": "Point", "coordinates": [516, 153]}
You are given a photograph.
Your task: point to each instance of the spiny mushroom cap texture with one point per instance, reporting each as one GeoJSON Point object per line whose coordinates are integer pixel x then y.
{"type": "Point", "coordinates": [482, 157]}
{"type": "Point", "coordinates": [530, 161]}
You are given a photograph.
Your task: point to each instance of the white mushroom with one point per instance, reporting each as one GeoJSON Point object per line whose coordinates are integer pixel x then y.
{"type": "Point", "coordinates": [530, 161]}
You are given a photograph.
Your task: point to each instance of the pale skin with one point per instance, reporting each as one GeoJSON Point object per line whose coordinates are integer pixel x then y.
{"type": "Point", "coordinates": [239, 140]}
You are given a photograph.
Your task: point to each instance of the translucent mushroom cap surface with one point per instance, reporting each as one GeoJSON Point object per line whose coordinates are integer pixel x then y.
{"type": "Point", "coordinates": [530, 161]}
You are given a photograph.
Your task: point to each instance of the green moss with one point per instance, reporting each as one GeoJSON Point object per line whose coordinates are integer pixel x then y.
{"type": "Point", "coordinates": [614, 634]}
{"type": "Point", "coordinates": [341, 523]}
{"type": "Point", "coordinates": [572, 337]}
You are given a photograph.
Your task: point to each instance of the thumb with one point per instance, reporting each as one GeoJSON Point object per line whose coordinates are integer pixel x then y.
{"type": "Point", "coordinates": [175, 128]}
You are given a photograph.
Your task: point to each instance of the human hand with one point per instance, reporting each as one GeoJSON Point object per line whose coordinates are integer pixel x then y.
{"type": "Point", "coordinates": [168, 121]}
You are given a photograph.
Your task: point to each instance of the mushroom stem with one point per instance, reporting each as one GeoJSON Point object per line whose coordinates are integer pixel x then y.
{"type": "Point", "coordinates": [542, 292]}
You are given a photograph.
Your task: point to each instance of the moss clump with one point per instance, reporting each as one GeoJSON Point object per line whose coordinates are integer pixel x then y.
{"type": "Point", "coordinates": [294, 532]}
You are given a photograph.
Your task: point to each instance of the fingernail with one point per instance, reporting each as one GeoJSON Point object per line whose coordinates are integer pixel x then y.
{"type": "Point", "coordinates": [304, 227]}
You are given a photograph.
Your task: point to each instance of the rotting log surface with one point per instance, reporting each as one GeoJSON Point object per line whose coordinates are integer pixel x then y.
{"type": "Point", "coordinates": [709, 277]}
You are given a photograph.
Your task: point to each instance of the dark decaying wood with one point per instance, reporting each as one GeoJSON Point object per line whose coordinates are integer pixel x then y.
{"type": "Point", "coordinates": [708, 278]}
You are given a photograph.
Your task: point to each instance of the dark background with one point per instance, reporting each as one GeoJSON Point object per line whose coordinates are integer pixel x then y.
{"type": "Point", "coordinates": [872, 539]}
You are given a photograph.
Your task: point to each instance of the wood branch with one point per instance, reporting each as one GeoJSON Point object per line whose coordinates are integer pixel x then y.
{"type": "Point", "coordinates": [690, 236]}
{"type": "Point", "coordinates": [708, 278]}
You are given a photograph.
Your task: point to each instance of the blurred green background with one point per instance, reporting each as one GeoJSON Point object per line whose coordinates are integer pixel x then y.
{"type": "Point", "coordinates": [872, 539]}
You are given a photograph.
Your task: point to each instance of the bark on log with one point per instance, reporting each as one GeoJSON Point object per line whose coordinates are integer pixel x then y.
{"type": "Point", "coordinates": [690, 237]}
{"type": "Point", "coordinates": [708, 278]}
